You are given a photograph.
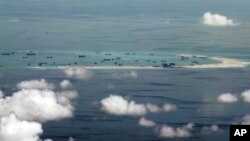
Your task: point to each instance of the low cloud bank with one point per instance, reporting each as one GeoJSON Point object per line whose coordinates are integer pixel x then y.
{"type": "Point", "coordinates": [230, 98]}
{"type": "Point", "coordinates": [179, 132]}
{"type": "Point", "coordinates": [245, 120]}
{"type": "Point", "coordinates": [227, 98]}
{"type": "Point", "coordinates": [169, 107]}
{"type": "Point", "coordinates": [153, 108]}
{"type": "Point", "coordinates": [38, 105]}
{"type": "Point", "coordinates": [246, 96]}
{"type": "Point", "coordinates": [65, 84]}
{"type": "Point", "coordinates": [118, 105]}
{"type": "Point", "coordinates": [78, 72]}
{"type": "Point", "coordinates": [71, 139]}
{"type": "Point", "coordinates": [36, 84]}
{"type": "Point", "coordinates": [14, 129]}
{"type": "Point", "coordinates": [146, 123]}
{"type": "Point", "coordinates": [34, 102]}
{"type": "Point", "coordinates": [211, 19]}
{"type": "Point", "coordinates": [1, 94]}
{"type": "Point", "coordinates": [210, 129]}
{"type": "Point", "coordinates": [131, 74]}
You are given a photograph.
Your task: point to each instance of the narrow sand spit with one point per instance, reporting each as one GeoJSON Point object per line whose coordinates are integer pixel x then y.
{"type": "Point", "coordinates": [223, 63]}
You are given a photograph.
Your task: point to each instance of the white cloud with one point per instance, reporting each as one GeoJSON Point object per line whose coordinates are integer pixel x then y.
{"type": "Point", "coordinates": [209, 129]}
{"type": "Point", "coordinates": [118, 105]}
{"type": "Point", "coordinates": [71, 139]}
{"type": "Point", "coordinates": [227, 98]}
{"type": "Point", "coordinates": [68, 95]}
{"type": "Point", "coordinates": [146, 123]}
{"type": "Point", "coordinates": [78, 72]}
{"type": "Point", "coordinates": [1, 94]}
{"type": "Point", "coordinates": [180, 132]}
{"type": "Point", "coordinates": [14, 129]}
{"type": "Point", "coordinates": [211, 19]}
{"type": "Point", "coordinates": [65, 84]}
{"type": "Point", "coordinates": [153, 108]}
{"type": "Point", "coordinates": [38, 105]}
{"type": "Point", "coordinates": [34, 102]}
{"type": "Point", "coordinates": [246, 120]}
{"type": "Point", "coordinates": [131, 74]}
{"type": "Point", "coordinates": [35, 84]}
{"type": "Point", "coordinates": [246, 96]}
{"type": "Point", "coordinates": [189, 126]}
{"type": "Point", "coordinates": [165, 108]}
{"type": "Point", "coordinates": [169, 107]}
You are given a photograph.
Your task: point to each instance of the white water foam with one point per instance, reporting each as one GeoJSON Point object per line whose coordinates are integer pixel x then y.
{"type": "Point", "coordinates": [222, 63]}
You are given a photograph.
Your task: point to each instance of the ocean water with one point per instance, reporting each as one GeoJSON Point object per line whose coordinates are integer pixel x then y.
{"type": "Point", "coordinates": [144, 33]}
{"type": "Point", "coordinates": [195, 93]}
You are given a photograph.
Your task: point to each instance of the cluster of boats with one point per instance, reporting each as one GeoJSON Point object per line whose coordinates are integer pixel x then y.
{"type": "Point", "coordinates": [110, 59]}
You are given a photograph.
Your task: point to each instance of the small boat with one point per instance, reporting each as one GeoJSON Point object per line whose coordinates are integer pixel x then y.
{"type": "Point", "coordinates": [184, 58]}
{"type": "Point", "coordinates": [81, 56]}
{"type": "Point", "coordinates": [30, 54]}
{"type": "Point", "coordinates": [195, 62]}
{"type": "Point", "coordinates": [42, 63]}
{"type": "Point", "coordinates": [166, 65]}
{"type": "Point", "coordinates": [5, 53]}
{"type": "Point", "coordinates": [172, 64]}
{"type": "Point", "coordinates": [106, 59]}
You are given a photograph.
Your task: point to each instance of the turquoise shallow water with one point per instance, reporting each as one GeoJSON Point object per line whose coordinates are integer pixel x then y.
{"type": "Point", "coordinates": [54, 59]}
